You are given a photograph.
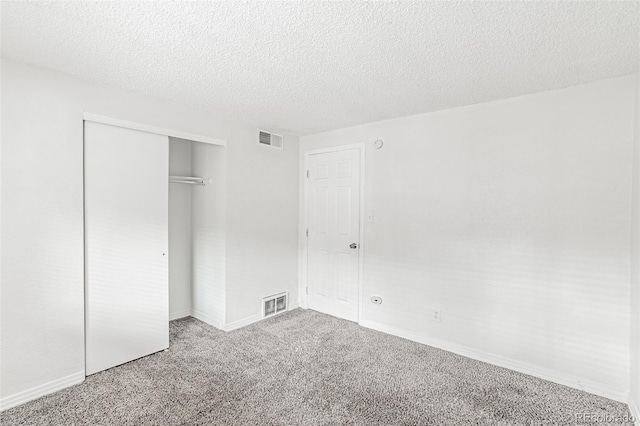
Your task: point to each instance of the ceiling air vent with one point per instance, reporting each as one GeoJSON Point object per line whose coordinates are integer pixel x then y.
{"type": "Point", "coordinates": [269, 139]}
{"type": "Point", "coordinates": [275, 304]}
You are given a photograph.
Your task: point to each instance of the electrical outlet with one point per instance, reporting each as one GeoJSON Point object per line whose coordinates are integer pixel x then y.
{"type": "Point", "coordinates": [435, 316]}
{"type": "Point", "coordinates": [370, 217]}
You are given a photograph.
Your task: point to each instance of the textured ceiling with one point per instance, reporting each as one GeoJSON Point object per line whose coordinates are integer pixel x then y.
{"type": "Point", "coordinates": [305, 67]}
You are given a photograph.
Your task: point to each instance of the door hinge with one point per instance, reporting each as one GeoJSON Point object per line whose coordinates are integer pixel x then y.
{"type": "Point", "coordinates": [307, 232]}
{"type": "Point", "coordinates": [307, 174]}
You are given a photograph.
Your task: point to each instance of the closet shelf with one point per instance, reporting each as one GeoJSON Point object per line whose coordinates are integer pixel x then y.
{"type": "Point", "coordinates": [189, 180]}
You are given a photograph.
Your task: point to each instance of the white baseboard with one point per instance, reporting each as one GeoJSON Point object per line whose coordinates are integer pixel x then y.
{"type": "Point", "coordinates": [521, 367]}
{"type": "Point", "coordinates": [252, 319]}
{"type": "Point", "coordinates": [206, 318]}
{"type": "Point", "coordinates": [634, 410]}
{"type": "Point", "coordinates": [217, 324]}
{"type": "Point", "coordinates": [242, 323]}
{"type": "Point", "coordinates": [179, 314]}
{"type": "Point", "coordinates": [41, 390]}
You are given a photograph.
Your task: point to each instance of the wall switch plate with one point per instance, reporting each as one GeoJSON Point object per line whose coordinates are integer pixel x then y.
{"type": "Point", "coordinates": [435, 316]}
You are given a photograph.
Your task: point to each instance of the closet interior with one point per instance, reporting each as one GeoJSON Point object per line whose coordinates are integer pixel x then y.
{"type": "Point", "coordinates": [196, 231]}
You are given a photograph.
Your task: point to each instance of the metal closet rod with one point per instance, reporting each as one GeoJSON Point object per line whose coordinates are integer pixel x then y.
{"type": "Point", "coordinates": [189, 180]}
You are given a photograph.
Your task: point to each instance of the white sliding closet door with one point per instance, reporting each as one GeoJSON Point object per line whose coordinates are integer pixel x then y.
{"type": "Point", "coordinates": [126, 242]}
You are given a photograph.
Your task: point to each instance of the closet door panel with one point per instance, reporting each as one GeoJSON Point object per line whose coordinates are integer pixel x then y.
{"type": "Point", "coordinates": [126, 242]}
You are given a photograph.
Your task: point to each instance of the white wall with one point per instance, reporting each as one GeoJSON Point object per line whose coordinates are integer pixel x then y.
{"type": "Point", "coordinates": [512, 218]}
{"type": "Point", "coordinates": [208, 218]}
{"type": "Point", "coordinates": [180, 240]}
{"type": "Point", "coordinates": [263, 198]}
{"type": "Point", "coordinates": [634, 398]}
{"type": "Point", "coordinates": [42, 231]}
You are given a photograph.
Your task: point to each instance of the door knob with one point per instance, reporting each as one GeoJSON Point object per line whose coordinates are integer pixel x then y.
{"type": "Point", "coordinates": [353, 246]}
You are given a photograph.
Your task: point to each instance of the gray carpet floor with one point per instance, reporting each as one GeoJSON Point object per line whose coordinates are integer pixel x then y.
{"type": "Point", "coordinates": [306, 368]}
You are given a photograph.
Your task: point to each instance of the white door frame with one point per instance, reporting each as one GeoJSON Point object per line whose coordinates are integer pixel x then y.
{"type": "Point", "coordinates": [87, 116]}
{"type": "Point", "coordinates": [302, 259]}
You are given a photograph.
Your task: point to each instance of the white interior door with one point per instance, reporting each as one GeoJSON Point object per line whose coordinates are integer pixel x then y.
{"type": "Point", "coordinates": [126, 239]}
{"type": "Point", "coordinates": [334, 233]}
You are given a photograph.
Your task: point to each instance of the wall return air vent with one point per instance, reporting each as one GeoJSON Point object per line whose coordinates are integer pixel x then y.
{"type": "Point", "coordinates": [275, 304]}
{"type": "Point", "coordinates": [270, 139]}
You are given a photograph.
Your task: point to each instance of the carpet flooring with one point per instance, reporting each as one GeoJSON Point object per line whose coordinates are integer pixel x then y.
{"type": "Point", "coordinates": [306, 368]}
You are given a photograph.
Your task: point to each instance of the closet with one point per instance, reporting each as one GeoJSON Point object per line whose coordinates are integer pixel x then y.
{"type": "Point", "coordinates": [154, 239]}
{"type": "Point", "coordinates": [197, 231]}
